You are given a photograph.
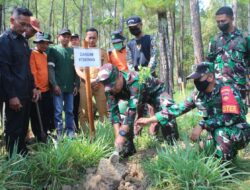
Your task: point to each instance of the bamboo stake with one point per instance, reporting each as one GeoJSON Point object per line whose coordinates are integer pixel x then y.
{"type": "Point", "coordinates": [89, 97]}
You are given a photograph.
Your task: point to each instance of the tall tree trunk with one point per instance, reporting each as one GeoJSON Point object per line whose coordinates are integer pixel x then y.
{"type": "Point", "coordinates": [121, 26]}
{"type": "Point", "coordinates": [182, 26]}
{"type": "Point", "coordinates": [28, 4]}
{"type": "Point", "coordinates": [235, 8]}
{"type": "Point", "coordinates": [115, 14]}
{"type": "Point", "coordinates": [165, 55]}
{"type": "Point", "coordinates": [81, 17]}
{"type": "Point", "coordinates": [196, 31]}
{"type": "Point", "coordinates": [248, 20]}
{"type": "Point", "coordinates": [91, 19]}
{"type": "Point", "coordinates": [1, 18]}
{"type": "Point", "coordinates": [66, 18]}
{"type": "Point", "coordinates": [50, 15]}
{"type": "Point", "coordinates": [63, 14]}
{"type": "Point", "coordinates": [171, 32]}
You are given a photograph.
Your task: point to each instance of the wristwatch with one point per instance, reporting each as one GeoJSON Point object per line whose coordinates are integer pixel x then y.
{"type": "Point", "coordinates": [202, 124]}
{"type": "Point", "coordinates": [123, 133]}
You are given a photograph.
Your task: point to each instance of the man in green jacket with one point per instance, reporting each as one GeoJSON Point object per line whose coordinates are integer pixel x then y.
{"type": "Point", "coordinates": [64, 81]}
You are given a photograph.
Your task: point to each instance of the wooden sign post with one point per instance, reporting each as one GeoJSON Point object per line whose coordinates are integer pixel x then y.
{"type": "Point", "coordinates": [86, 58]}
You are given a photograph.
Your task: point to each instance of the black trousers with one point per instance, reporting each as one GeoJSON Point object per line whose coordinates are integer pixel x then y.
{"type": "Point", "coordinates": [16, 125]}
{"type": "Point", "coordinates": [46, 111]}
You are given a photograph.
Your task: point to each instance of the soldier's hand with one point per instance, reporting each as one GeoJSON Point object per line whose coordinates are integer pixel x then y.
{"type": "Point", "coordinates": [142, 121]}
{"type": "Point", "coordinates": [57, 90]}
{"type": "Point", "coordinates": [196, 133]}
{"type": "Point", "coordinates": [137, 129]}
{"type": "Point", "coordinates": [15, 104]}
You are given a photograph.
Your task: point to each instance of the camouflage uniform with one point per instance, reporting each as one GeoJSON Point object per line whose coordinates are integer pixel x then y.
{"type": "Point", "coordinates": [229, 53]}
{"type": "Point", "coordinates": [229, 131]}
{"type": "Point", "coordinates": [134, 92]}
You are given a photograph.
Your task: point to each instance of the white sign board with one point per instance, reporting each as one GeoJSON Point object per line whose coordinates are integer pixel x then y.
{"type": "Point", "coordinates": [90, 57]}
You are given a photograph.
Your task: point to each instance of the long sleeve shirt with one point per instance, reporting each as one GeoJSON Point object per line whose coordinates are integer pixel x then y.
{"type": "Point", "coordinates": [39, 69]}
{"type": "Point", "coordinates": [230, 53]}
{"type": "Point", "coordinates": [211, 108]}
{"type": "Point", "coordinates": [17, 80]}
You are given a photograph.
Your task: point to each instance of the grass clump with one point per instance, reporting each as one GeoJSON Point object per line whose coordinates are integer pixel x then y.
{"type": "Point", "coordinates": [176, 167]}
{"type": "Point", "coordinates": [52, 165]}
{"type": "Point", "coordinates": [12, 172]}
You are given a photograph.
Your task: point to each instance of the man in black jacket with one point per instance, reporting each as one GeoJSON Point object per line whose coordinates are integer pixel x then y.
{"type": "Point", "coordinates": [17, 80]}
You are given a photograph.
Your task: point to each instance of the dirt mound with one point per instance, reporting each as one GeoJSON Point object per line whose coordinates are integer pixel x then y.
{"type": "Point", "coordinates": [112, 174]}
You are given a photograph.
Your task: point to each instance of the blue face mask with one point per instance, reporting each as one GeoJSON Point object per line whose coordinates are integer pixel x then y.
{"type": "Point", "coordinates": [118, 46]}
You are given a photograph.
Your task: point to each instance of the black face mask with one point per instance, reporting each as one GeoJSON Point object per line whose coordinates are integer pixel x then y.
{"type": "Point", "coordinates": [223, 27]}
{"type": "Point", "coordinates": [135, 31]}
{"type": "Point", "coordinates": [201, 85]}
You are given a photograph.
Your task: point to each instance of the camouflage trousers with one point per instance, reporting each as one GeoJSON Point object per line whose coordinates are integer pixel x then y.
{"type": "Point", "coordinates": [227, 141]}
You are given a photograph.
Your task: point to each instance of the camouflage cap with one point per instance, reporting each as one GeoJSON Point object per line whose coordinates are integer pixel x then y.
{"type": "Point", "coordinates": [201, 69]}
{"type": "Point", "coordinates": [107, 74]}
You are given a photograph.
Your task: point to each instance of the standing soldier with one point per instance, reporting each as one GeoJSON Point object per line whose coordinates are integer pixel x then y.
{"type": "Point", "coordinates": [230, 52]}
{"type": "Point", "coordinates": [224, 113]}
{"type": "Point", "coordinates": [121, 85]}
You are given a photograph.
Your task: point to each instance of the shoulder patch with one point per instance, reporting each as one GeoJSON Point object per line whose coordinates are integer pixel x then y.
{"type": "Point", "coordinates": [229, 103]}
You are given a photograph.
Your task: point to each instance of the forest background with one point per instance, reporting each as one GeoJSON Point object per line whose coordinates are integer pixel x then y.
{"type": "Point", "coordinates": [183, 27]}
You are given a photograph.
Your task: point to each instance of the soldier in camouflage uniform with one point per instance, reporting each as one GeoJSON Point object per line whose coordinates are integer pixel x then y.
{"type": "Point", "coordinates": [125, 85]}
{"type": "Point", "coordinates": [224, 113]}
{"type": "Point", "coordinates": [230, 52]}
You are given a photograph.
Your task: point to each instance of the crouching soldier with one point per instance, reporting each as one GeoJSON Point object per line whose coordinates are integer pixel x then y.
{"type": "Point", "coordinates": [224, 113]}
{"type": "Point", "coordinates": [125, 86]}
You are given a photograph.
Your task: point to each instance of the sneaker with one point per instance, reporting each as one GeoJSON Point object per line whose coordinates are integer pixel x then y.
{"type": "Point", "coordinates": [71, 134]}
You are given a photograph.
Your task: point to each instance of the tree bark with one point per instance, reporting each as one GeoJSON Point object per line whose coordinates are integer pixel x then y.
{"type": "Point", "coordinates": [248, 20]}
{"type": "Point", "coordinates": [1, 18]}
{"type": "Point", "coordinates": [182, 26]}
{"type": "Point", "coordinates": [91, 20]}
{"type": "Point", "coordinates": [63, 14]}
{"type": "Point", "coordinates": [121, 26]}
{"type": "Point", "coordinates": [50, 15]}
{"type": "Point", "coordinates": [165, 55]}
{"type": "Point", "coordinates": [196, 31]}
{"type": "Point", "coordinates": [115, 14]}
{"type": "Point", "coordinates": [171, 32]}
{"type": "Point", "coordinates": [81, 17]}
{"type": "Point", "coordinates": [235, 8]}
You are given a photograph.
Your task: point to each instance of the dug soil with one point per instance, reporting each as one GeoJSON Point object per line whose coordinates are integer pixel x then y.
{"type": "Point", "coordinates": [126, 174]}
